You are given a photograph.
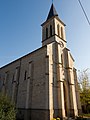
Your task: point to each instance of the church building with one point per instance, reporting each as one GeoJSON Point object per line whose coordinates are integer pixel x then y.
{"type": "Point", "coordinates": [43, 84]}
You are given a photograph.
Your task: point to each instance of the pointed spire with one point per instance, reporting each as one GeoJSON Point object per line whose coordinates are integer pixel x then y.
{"type": "Point", "coordinates": [52, 12]}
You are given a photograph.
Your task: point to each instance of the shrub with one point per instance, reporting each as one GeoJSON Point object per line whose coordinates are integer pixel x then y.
{"type": "Point", "coordinates": [7, 109]}
{"type": "Point", "coordinates": [56, 119]}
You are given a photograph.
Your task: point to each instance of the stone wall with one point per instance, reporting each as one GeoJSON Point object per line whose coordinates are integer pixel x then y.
{"type": "Point", "coordinates": [26, 84]}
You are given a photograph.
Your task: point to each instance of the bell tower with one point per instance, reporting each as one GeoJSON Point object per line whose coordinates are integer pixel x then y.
{"type": "Point", "coordinates": [53, 29]}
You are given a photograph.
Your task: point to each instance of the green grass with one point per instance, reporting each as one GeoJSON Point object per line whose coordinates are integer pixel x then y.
{"type": "Point", "coordinates": [83, 117]}
{"type": "Point", "coordinates": [86, 115]}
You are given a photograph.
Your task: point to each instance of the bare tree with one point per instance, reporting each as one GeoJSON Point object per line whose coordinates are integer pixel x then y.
{"type": "Point", "coordinates": [84, 87]}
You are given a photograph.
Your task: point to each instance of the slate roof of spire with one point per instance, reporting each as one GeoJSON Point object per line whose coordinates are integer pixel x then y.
{"type": "Point", "coordinates": [52, 12]}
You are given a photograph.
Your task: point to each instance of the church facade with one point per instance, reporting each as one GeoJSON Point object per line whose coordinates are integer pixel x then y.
{"type": "Point", "coordinates": [43, 84]}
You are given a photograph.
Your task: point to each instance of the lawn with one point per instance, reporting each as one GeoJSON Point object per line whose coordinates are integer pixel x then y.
{"type": "Point", "coordinates": [86, 115]}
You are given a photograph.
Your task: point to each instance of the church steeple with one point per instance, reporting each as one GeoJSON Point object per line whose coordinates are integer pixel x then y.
{"type": "Point", "coordinates": [52, 12]}
{"type": "Point", "coordinates": [53, 29]}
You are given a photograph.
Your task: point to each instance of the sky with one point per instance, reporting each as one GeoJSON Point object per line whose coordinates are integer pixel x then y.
{"type": "Point", "coordinates": [21, 33]}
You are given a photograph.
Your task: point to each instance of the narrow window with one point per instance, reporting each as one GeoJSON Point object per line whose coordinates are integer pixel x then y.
{"type": "Point", "coordinates": [50, 30]}
{"type": "Point", "coordinates": [13, 78]}
{"type": "Point", "coordinates": [58, 30]}
{"type": "Point", "coordinates": [18, 74]}
{"type": "Point", "coordinates": [3, 78]}
{"type": "Point", "coordinates": [61, 32]}
{"type": "Point", "coordinates": [25, 75]}
{"type": "Point", "coordinates": [62, 59]}
{"type": "Point", "coordinates": [46, 33]}
{"type": "Point", "coordinates": [43, 34]}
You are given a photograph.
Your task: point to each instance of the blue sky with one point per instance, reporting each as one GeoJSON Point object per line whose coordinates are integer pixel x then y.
{"type": "Point", "coordinates": [20, 28]}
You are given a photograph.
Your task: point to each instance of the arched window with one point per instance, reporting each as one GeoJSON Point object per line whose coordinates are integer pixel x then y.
{"type": "Point", "coordinates": [50, 30]}
{"type": "Point", "coordinates": [62, 32]}
{"type": "Point", "coordinates": [58, 30]}
{"type": "Point", "coordinates": [46, 33]}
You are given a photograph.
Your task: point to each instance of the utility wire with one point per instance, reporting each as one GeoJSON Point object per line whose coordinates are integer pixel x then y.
{"type": "Point", "coordinates": [84, 12]}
